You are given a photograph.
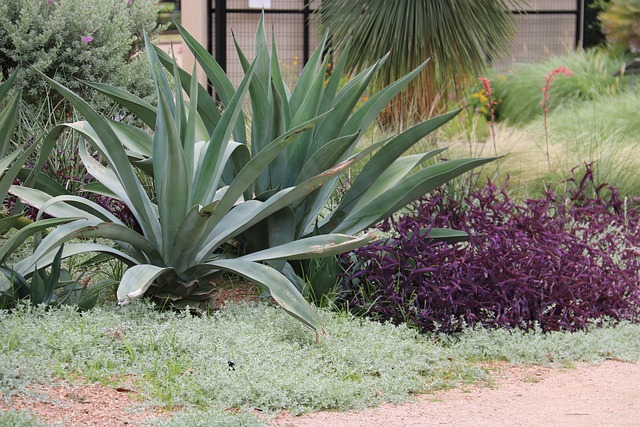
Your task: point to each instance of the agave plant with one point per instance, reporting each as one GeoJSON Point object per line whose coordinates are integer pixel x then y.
{"type": "Point", "coordinates": [12, 165]}
{"type": "Point", "coordinates": [10, 162]}
{"type": "Point", "coordinates": [12, 285]}
{"type": "Point", "coordinates": [388, 181]}
{"type": "Point", "coordinates": [213, 181]}
{"type": "Point", "coordinates": [193, 209]}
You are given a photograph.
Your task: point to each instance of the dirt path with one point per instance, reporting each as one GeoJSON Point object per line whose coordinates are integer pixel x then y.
{"type": "Point", "coordinates": [603, 395]}
{"type": "Point", "coordinates": [588, 395]}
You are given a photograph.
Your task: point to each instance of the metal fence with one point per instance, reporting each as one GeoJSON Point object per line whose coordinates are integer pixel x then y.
{"type": "Point", "coordinates": [287, 20]}
{"type": "Point", "coordinates": [546, 27]}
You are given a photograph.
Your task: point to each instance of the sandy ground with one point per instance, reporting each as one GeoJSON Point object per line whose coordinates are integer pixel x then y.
{"type": "Point", "coordinates": [588, 395]}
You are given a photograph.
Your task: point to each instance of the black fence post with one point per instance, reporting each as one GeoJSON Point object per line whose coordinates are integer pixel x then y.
{"type": "Point", "coordinates": [306, 14]}
{"type": "Point", "coordinates": [221, 33]}
{"type": "Point", "coordinates": [579, 24]}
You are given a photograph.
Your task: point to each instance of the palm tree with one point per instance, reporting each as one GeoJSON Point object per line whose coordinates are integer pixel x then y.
{"type": "Point", "coordinates": [460, 37]}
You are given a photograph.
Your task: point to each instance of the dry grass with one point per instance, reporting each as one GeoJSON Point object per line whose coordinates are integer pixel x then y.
{"type": "Point", "coordinates": [529, 171]}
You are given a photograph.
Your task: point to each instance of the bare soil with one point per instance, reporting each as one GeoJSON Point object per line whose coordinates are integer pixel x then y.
{"type": "Point", "coordinates": [586, 395]}
{"type": "Point", "coordinates": [92, 405]}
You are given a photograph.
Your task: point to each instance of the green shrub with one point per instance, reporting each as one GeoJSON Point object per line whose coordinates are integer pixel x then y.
{"type": "Point", "coordinates": [75, 39]}
{"type": "Point", "coordinates": [519, 93]}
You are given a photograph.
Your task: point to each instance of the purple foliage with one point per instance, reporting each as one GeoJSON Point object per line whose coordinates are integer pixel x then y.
{"type": "Point", "coordinates": [561, 263]}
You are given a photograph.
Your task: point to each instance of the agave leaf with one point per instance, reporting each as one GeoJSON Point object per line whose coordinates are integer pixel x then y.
{"type": "Point", "coordinates": [251, 212]}
{"type": "Point", "coordinates": [8, 222]}
{"type": "Point", "coordinates": [447, 235]}
{"type": "Point", "coordinates": [307, 108]}
{"type": "Point", "coordinates": [277, 170]}
{"type": "Point", "coordinates": [173, 186]}
{"type": "Point", "coordinates": [34, 176]}
{"type": "Point", "coordinates": [41, 181]}
{"type": "Point", "coordinates": [279, 85]}
{"type": "Point", "coordinates": [133, 138]}
{"type": "Point", "coordinates": [367, 113]}
{"type": "Point", "coordinates": [311, 247]}
{"type": "Point", "coordinates": [138, 106]}
{"type": "Point", "coordinates": [347, 99]}
{"type": "Point", "coordinates": [139, 201]}
{"type": "Point", "coordinates": [435, 235]}
{"type": "Point", "coordinates": [307, 95]}
{"type": "Point", "coordinates": [327, 156]}
{"type": "Point", "coordinates": [7, 179]}
{"type": "Point", "coordinates": [20, 236]}
{"type": "Point", "coordinates": [26, 266]}
{"type": "Point", "coordinates": [391, 176]}
{"type": "Point", "coordinates": [106, 176]}
{"type": "Point", "coordinates": [334, 82]}
{"type": "Point", "coordinates": [235, 153]}
{"type": "Point", "coordinates": [279, 229]}
{"type": "Point", "coordinates": [207, 108]}
{"type": "Point", "coordinates": [219, 79]}
{"type": "Point", "coordinates": [87, 205]}
{"type": "Point", "coordinates": [52, 279]}
{"type": "Point", "coordinates": [121, 234]}
{"type": "Point", "coordinates": [260, 102]}
{"type": "Point", "coordinates": [137, 279]}
{"type": "Point", "coordinates": [6, 160]}
{"type": "Point", "coordinates": [257, 164]}
{"type": "Point", "coordinates": [406, 192]}
{"type": "Point", "coordinates": [380, 162]}
{"type": "Point", "coordinates": [6, 85]}
{"type": "Point", "coordinates": [239, 156]}
{"type": "Point", "coordinates": [37, 291]}
{"type": "Point", "coordinates": [180, 117]}
{"type": "Point", "coordinates": [204, 186]}
{"type": "Point", "coordinates": [98, 188]}
{"type": "Point", "coordinates": [39, 200]}
{"type": "Point", "coordinates": [190, 137]}
{"type": "Point", "coordinates": [261, 55]}
{"type": "Point", "coordinates": [160, 78]}
{"type": "Point", "coordinates": [191, 230]}
{"type": "Point", "coordinates": [280, 288]}
{"type": "Point", "coordinates": [8, 121]}
{"type": "Point", "coordinates": [308, 210]}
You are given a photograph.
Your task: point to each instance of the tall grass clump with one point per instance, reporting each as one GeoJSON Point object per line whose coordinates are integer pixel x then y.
{"type": "Point", "coordinates": [601, 119]}
{"type": "Point", "coordinates": [520, 95]}
{"type": "Point", "coordinates": [601, 132]}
